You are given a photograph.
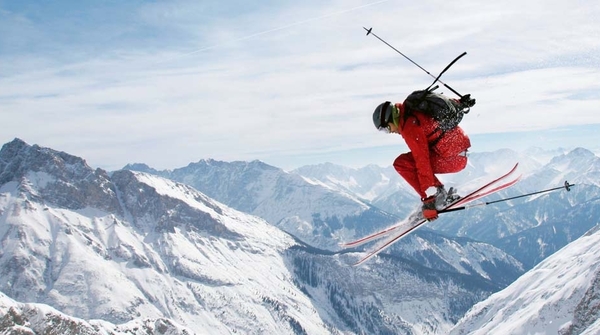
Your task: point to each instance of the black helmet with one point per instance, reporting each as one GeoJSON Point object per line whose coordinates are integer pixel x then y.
{"type": "Point", "coordinates": [382, 115]}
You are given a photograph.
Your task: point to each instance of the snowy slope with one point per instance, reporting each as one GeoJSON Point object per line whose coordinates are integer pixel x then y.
{"type": "Point", "coordinates": [382, 187]}
{"type": "Point", "coordinates": [19, 318]}
{"type": "Point", "coordinates": [136, 249]}
{"type": "Point", "coordinates": [289, 193]}
{"type": "Point", "coordinates": [164, 250]}
{"type": "Point", "coordinates": [312, 211]}
{"type": "Point", "coordinates": [534, 227]}
{"type": "Point", "coordinates": [461, 255]}
{"type": "Point", "coordinates": [369, 182]}
{"type": "Point", "coordinates": [559, 296]}
{"type": "Point", "coordinates": [530, 228]}
{"type": "Point", "coordinates": [76, 260]}
{"type": "Point", "coordinates": [416, 299]}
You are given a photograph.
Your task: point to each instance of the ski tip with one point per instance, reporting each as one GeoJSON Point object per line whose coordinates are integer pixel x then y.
{"type": "Point", "coordinates": [359, 262]}
{"type": "Point", "coordinates": [362, 259]}
{"type": "Point", "coordinates": [368, 30]}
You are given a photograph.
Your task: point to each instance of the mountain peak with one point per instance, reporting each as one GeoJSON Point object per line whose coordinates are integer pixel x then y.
{"type": "Point", "coordinates": [56, 177]}
{"type": "Point", "coordinates": [581, 152]}
{"type": "Point", "coordinates": [141, 167]}
{"type": "Point", "coordinates": [241, 165]}
{"type": "Point", "coordinates": [17, 158]}
{"type": "Point", "coordinates": [12, 149]}
{"type": "Point", "coordinates": [576, 157]}
{"type": "Point", "coordinates": [16, 144]}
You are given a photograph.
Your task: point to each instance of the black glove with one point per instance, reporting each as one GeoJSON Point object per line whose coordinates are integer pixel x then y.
{"type": "Point", "coordinates": [466, 101]}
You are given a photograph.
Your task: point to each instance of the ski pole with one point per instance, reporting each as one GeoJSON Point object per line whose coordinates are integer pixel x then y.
{"type": "Point", "coordinates": [566, 186]}
{"type": "Point", "coordinates": [436, 79]}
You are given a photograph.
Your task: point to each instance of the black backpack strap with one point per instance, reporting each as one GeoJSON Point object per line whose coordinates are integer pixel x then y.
{"type": "Point", "coordinates": [434, 142]}
{"type": "Point", "coordinates": [408, 111]}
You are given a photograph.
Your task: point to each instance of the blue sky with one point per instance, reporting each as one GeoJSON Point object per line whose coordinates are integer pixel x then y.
{"type": "Point", "coordinates": [291, 83]}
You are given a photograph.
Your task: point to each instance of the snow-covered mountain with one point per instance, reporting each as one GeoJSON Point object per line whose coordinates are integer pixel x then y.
{"type": "Point", "coordinates": [311, 211]}
{"type": "Point", "coordinates": [31, 318]}
{"type": "Point", "coordinates": [530, 228]}
{"type": "Point", "coordinates": [224, 180]}
{"type": "Point", "coordinates": [561, 295]}
{"type": "Point", "coordinates": [133, 245]}
{"type": "Point", "coordinates": [382, 187]}
{"type": "Point", "coordinates": [368, 182]}
{"type": "Point", "coordinates": [131, 251]}
{"type": "Point", "coordinates": [533, 228]}
{"type": "Point", "coordinates": [461, 255]}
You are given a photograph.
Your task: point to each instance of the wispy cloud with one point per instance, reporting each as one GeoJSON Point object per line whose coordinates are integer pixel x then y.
{"type": "Point", "coordinates": [167, 83]}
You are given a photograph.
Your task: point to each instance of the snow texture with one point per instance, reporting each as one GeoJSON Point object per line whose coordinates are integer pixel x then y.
{"type": "Point", "coordinates": [559, 296]}
{"type": "Point", "coordinates": [129, 250]}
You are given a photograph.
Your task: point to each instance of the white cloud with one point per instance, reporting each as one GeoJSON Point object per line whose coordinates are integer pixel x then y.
{"type": "Point", "coordinates": [185, 81]}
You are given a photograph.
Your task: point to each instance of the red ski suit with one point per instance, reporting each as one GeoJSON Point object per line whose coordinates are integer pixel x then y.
{"type": "Point", "coordinates": [431, 151]}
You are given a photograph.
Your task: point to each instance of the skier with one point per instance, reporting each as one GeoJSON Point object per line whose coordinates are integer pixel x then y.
{"type": "Point", "coordinates": [432, 151]}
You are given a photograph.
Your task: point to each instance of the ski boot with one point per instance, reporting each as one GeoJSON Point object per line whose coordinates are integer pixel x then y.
{"type": "Point", "coordinates": [444, 198]}
{"type": "Point", "coordinates": [452, 196]}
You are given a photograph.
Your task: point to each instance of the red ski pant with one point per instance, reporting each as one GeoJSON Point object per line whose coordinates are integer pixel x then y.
{"type": "Point", "coordinates": [407, 168]}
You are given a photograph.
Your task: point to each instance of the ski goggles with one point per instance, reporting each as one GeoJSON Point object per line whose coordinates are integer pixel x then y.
{"type": "Point", "coordinates": [386, 118]}
{"type": "Point", "coordinates": [385, 114]}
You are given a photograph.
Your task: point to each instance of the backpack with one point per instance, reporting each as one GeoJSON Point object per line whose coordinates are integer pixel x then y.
{"type": "Point", "coordinates": [447, 112]}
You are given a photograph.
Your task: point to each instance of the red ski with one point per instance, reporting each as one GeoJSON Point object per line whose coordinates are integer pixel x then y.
{"type": "Point", "coordinates": [477, 194]}
{"type": "Point", "coordinates": [407, 227]}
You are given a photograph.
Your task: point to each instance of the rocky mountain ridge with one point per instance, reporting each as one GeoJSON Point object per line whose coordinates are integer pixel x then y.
{"type": "Point", "coordinates": [133, 248]}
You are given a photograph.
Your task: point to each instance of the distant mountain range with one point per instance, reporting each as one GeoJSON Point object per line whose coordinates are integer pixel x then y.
{"type": "Point", "coordinates": [325, 204]}
{"type": "Point", "coordinates": [313, 212]}
{"type": "Point", "coordinates": [134, 253]}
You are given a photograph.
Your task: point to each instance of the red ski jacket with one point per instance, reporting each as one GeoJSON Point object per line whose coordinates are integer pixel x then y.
{"type": "Point", "coordinates": [428, 143]}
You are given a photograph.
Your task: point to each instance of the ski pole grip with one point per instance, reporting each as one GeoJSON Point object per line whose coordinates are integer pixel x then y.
{"type": "Point", "coordinates": [568, 186]}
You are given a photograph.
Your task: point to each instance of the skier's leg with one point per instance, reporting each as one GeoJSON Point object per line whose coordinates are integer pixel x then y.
{"type": "Point", "coordinates": [406, 167]}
